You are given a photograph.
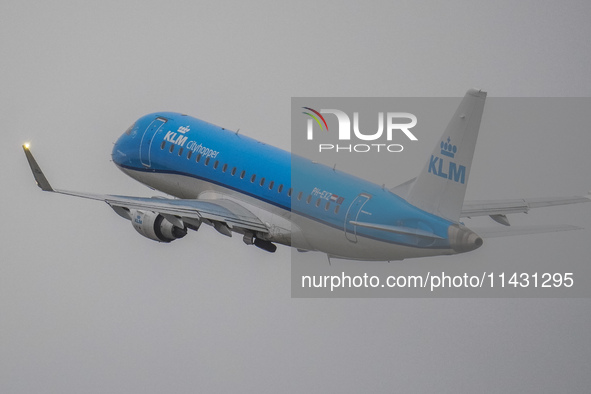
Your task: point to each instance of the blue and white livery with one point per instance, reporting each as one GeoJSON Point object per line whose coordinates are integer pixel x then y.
{"type": "Point", "coordinates": [239, 185]}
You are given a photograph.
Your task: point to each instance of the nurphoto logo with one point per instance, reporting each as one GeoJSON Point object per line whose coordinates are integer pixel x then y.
{"type": "Point", "coordinates": [397, 123]}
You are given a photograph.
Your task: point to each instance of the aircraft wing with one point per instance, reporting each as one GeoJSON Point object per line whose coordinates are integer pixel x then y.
{"type": "Point", "coordinates": [176, 211]}
{"type": "Point", "coordinates": [499, 208]}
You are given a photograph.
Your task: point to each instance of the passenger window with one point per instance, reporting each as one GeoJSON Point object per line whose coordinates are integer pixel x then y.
{"type": "Point", "coordinates": [317, 203]}
{"type": "Point", "coordinates": [280, 189]}
{"type": "Point", "coordinates": [181, 151]}
{"type": "Point", "coordinates": [289, 192]}
{"type": "Point", "coordinates": [198, 158]}
{"type": "Point", "coordinates": [271, 185]}
{"type": "Point", "coordinates": [242, 174]}
{"type": "Point", "coordinates": [262, 181]}
{"type": "Point", "coordinates": [336, 209]}
{"type": "Point", "coordinates": [215, 165]}
{"type": "Point", "coordinates": [207, 161]}
{"type": "Point", "coordinates": [233, 171]}
{"type": "Point", "coordinates": [189, 154]}
{"type": "Point", "coordinates": [299, 196]}
{"type": "Point", "coordinates": [327, 206]}
{"type": "Point", "coordinates": [224, 168]}
{"type": "Point", "coordinates": [162, 145]}
{"type": "Point", "coordinates": [252, 178]}
{"type": "Point", "coordinates": [309, 199]}
{"type": "Point", "coordinates": [171, 148]}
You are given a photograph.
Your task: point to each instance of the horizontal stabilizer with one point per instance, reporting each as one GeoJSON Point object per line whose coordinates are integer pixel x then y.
{"type": "Point", "coordinates": [495, 232]}
{"type": "Point", "coordinates": [505, 207]}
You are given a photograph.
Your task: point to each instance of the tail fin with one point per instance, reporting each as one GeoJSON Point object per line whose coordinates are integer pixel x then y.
{"type": "Point", "coordinates": [441, 186]}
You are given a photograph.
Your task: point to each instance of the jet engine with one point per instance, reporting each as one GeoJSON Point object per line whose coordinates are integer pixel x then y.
{"type": "Point", "coordinates": [155, 226]}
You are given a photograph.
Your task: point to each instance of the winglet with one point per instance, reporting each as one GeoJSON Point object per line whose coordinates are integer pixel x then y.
{"type": "Point", "coordinates": [37, 173]}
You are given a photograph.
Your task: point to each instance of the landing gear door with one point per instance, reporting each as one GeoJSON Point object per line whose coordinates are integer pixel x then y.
{"type": "Point", "coordinates": [147, 139]}
{"type": "Point", "coordinates": [353, 214]}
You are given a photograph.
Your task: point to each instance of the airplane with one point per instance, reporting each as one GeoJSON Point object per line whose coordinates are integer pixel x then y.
{"type": "Point", "coordinates": [239, 185]}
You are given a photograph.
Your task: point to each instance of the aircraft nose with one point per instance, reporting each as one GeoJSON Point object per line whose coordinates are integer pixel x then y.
{"type": "Point", "coordinates": [123, 147]}
{"type": "Point", "coordinates": [462, 239]}
{"type": "Point", "coordinates": [117, 155]}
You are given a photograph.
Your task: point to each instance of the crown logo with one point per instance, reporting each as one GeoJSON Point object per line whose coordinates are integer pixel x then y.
{"type": "Point", "coordinates": [448, 149]}
{"type": "Point", "coordinates": [183, 129]}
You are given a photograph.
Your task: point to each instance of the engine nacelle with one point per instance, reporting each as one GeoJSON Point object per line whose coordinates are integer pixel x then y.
{"type": "Point", "coordinates": [155, 226]}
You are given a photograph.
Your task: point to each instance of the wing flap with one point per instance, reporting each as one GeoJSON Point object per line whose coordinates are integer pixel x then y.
{"type": "Point", "coordinates": [214, 210]}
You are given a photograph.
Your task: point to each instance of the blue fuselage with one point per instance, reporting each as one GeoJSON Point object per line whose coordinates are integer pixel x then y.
{"type": "Point", "coordinates": [189, 158]}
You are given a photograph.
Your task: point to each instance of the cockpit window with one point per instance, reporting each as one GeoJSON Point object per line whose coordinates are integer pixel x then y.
{"type": "Point", "coordinates": [128, 131]}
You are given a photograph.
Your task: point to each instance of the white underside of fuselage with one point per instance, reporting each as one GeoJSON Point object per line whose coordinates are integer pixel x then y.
{"type": "Point", "coordinates": [286, 227]}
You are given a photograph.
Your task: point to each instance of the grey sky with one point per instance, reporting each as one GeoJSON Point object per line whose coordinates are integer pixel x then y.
{"type": "Point", "coordinates": [88, 305]}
